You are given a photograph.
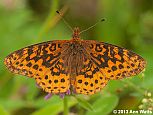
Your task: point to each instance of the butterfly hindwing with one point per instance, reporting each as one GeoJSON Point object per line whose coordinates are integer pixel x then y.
{"type": "Point", "coordinates": [90, 80]}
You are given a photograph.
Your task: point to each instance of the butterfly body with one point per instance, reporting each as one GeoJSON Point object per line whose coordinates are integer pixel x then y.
{"type": "Point", "coordinates": [82, 66]}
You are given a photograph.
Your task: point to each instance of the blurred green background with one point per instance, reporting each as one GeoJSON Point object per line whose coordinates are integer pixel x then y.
{"type": "Point", "coordinates": [129, 23]}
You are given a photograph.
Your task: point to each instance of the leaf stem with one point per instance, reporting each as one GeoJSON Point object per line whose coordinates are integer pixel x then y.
{"type": "Point", "coordinates": [65, 104]}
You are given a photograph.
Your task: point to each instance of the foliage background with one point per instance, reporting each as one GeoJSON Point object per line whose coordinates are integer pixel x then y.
{"type": "Point", "coordinates": [129, 24]}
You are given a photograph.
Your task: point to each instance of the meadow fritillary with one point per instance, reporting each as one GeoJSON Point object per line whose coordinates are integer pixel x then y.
{"type": "Point", "coordinates": [76, 65]}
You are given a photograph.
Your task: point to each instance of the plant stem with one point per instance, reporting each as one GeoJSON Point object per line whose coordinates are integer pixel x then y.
{"type": "Point", "coordinates": [65, 104]}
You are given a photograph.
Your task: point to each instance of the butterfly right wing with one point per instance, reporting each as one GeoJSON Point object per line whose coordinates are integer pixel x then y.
{"type": "Point", "coordinates": [115, 62]}
{"type": "Point", "coordinates": [105, 62]}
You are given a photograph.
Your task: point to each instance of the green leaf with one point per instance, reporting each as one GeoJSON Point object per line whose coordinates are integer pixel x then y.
{"type": "Point", "coordinates": [55, 106]}
{"type": "Point", "coordinates": [104, 105]}
{"type": "Point", "coordinates": [49, 110]}
{"type": "Point", "coordinates": [84, 103]}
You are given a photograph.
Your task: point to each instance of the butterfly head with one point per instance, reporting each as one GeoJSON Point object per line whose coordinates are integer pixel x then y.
{"type": "Point", "coordinates": [76, 34]}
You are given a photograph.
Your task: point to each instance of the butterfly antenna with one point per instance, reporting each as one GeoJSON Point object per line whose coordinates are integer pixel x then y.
{"type": "Point", "coordinates": [64, 20]}
{"type": "Point", "coordinates": [93, 25]}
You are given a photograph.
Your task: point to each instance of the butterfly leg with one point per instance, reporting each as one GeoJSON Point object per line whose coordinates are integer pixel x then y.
{"type": "Point", "coordinates": [49, 95]}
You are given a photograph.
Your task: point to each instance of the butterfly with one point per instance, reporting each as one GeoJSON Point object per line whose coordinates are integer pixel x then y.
{"type": "Point", "coordinates": [74, 66]}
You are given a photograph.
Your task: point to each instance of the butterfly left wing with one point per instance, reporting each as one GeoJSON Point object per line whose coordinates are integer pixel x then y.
{"type": "Point", "coordinates": [41, 61]}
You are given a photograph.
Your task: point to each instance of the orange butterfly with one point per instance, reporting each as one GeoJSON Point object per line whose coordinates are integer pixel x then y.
{"type": "Point", "coordinates": [80, 66]}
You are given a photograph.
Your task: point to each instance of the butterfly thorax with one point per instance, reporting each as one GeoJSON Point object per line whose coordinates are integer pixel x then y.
{"type": "Point", "coordinates": [73, 58]}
